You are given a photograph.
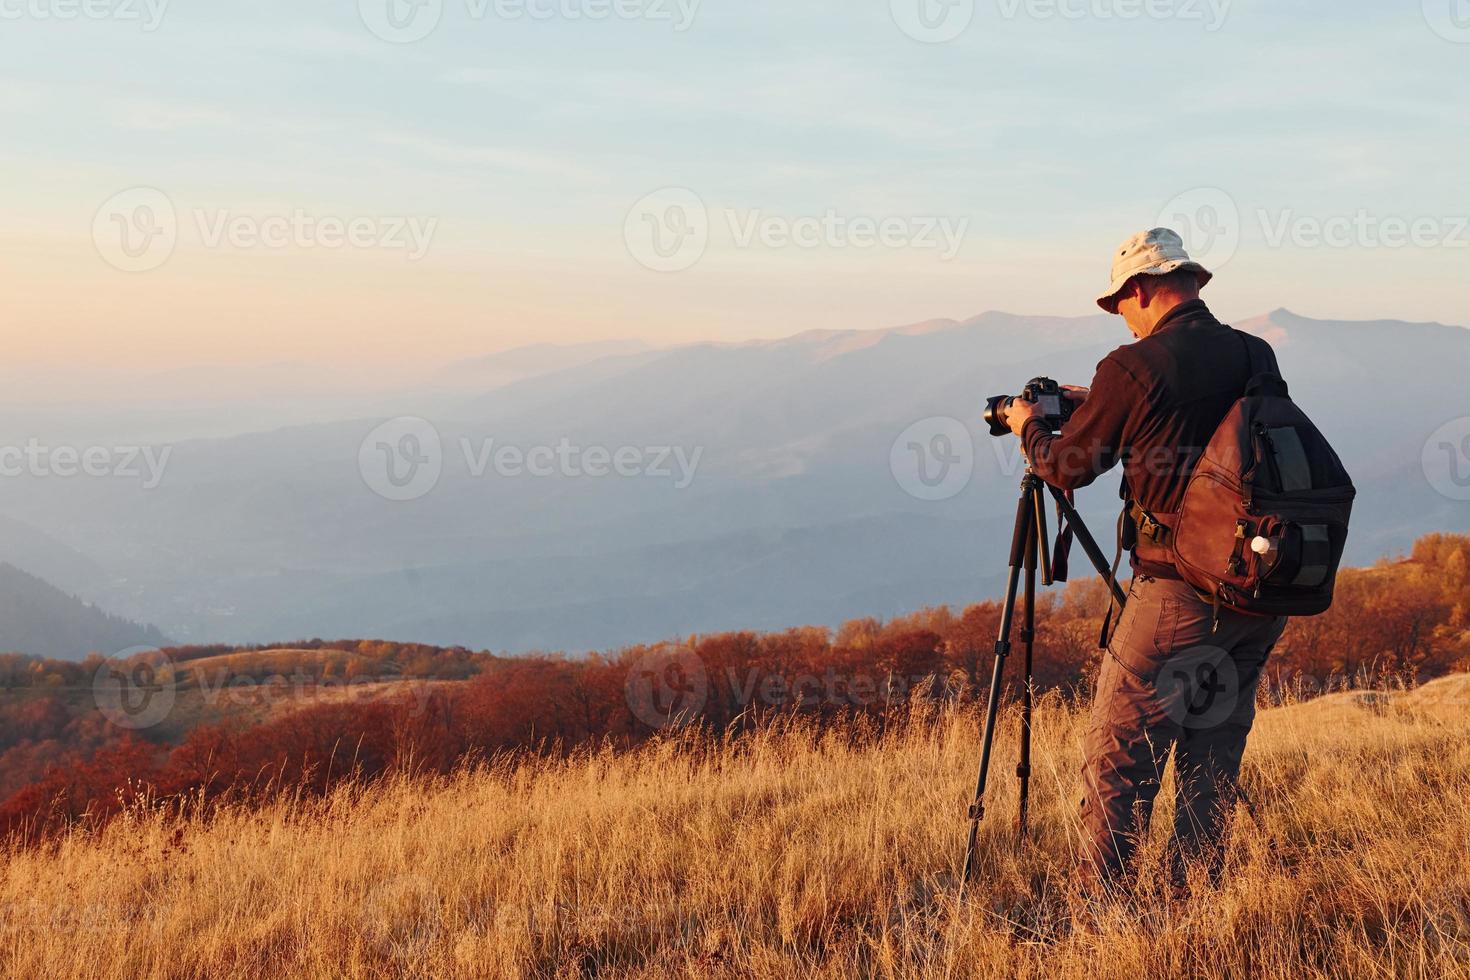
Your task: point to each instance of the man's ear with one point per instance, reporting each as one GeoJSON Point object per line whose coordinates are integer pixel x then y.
{"type": "Point", "coordinates": [1144, 294]}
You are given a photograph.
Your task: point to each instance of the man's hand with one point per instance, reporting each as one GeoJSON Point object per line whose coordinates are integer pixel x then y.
{"type": "Point", "coordinates": [1076, 394]}
{"type": "Point", "coordinates": [1021, 412]}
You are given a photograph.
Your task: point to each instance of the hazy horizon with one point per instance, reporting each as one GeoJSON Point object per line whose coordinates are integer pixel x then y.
{"type": "Point", "coordinates": [761, 485]}
{"type": "Point", "coordinates": [334, 376]}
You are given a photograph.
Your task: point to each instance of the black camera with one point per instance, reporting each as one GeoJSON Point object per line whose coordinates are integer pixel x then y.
{"type": "Point", "coordinates": [1056, 407]}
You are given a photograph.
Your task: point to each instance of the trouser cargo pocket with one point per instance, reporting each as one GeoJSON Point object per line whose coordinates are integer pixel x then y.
{"type": "Point", "coordinates": [1148, 632]}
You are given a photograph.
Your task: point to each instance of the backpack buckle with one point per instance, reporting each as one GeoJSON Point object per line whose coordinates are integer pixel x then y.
{"type": "Point", "coordinates": [1149, 526]}
{"type": "Point", "coordinates": [1243, 530]}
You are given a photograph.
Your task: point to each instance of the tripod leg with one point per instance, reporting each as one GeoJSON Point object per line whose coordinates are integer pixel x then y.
{"type": "Point", "coordinates": [1042, 537]}
{"type": "Point", "coordinates": [1089, 544]}
{"type": "Point", "coordinates": [1028, 645]}
{"type": "Point", "coordinates": [1025, 529]}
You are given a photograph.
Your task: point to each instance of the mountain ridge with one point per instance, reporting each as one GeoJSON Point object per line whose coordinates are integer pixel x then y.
{"type": "Point", "coordinates": [254, 537]}
{"type": "Point", "coordinates": [38, 619]}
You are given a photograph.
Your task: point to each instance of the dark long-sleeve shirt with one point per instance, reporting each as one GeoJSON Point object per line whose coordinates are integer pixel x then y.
{"type": "Point", "coordinates": [1154, 406]}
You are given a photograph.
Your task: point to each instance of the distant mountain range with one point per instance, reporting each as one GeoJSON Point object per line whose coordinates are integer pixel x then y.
{"type": "Point", "coordinates": [522, 363]}
{"type": "Point", "coordinates": [797, 512]}
{"type": "Point", "coordinates": [41, 620]}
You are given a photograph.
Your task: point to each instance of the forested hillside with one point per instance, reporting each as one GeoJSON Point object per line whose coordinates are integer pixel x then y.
{"type": "Point", "coordinates": [40, 619]}
{"type": "Point", "coordinates": [232, 723]}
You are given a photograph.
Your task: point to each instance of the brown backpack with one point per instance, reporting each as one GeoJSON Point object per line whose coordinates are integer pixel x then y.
{"type": "Point", "coordinates": [1265, 515]}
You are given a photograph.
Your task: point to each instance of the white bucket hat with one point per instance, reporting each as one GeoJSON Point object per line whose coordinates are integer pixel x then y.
{"type": "Point", "coordinates": [1156, 252]}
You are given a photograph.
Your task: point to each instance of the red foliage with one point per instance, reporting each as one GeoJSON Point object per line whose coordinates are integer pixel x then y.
{"type": "Point", "coordinates": [59, 769]}
{"type": "Point", "coordinates": [77, 790]}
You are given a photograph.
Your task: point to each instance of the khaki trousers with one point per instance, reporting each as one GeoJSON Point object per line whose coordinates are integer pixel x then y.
{"type": "Point", "coordinates": [1170, 684]}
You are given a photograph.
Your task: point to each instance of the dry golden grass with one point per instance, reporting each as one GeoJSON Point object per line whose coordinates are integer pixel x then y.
{"type": "Point", "coordinates": [787, 855]}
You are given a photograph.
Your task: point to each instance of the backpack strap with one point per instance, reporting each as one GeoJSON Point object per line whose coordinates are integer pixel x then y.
{"type": "Point", "coordinates": [1152, 536]}
{"type": "Point", "coordinates": [1264, 382]}
{"type": "Point", "coordinates": [1106, 639]}
{"type": "Point", "coordinates": [1149, 527]}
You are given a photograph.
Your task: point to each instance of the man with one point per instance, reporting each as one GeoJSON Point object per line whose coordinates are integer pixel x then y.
{"type": "Point", "coordinates": [1178, 676]}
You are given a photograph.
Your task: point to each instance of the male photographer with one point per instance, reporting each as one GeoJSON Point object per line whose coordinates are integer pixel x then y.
{"type": "Point", "coordinates": [1180, 675]}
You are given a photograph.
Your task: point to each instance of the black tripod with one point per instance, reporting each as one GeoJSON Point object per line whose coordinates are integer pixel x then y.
{"type": "Point", "coordinates": [1029, 546]}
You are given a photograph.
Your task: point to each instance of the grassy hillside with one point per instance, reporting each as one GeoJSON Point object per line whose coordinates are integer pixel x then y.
{"type": "Point", "coordinates": [241, 689]}
{"type": "Point", "coordinates": [79, 742]}
{"type": "Point", "coordinates": [780, 854]}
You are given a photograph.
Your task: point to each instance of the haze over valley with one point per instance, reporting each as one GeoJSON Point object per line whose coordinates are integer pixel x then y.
{"type": "Point", "coordinates": [763, 484]}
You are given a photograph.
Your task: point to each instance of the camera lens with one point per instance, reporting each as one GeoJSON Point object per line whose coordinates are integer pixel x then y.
{"type": "Point", "coordinates": [995, 415]}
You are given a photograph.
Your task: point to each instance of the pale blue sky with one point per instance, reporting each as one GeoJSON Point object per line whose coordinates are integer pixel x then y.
{"type": "Point", "coordinates": [527, 142]}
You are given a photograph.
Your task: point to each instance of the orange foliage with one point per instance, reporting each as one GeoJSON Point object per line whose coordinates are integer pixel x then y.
{"type": "Point", "coordinates": [1406, 619]}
